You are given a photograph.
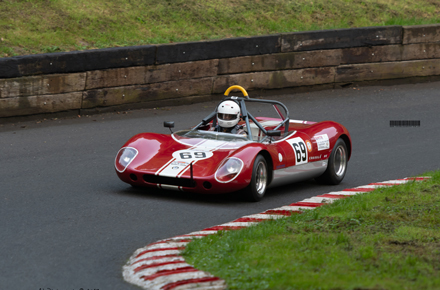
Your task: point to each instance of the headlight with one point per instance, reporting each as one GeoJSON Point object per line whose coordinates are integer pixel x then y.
{"type": "Point", "coordinates": [229, 170]}
{"type": "Point", "coordinates": [124, 158]}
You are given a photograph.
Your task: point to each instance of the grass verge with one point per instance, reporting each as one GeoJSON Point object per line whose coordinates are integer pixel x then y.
{"type": "Point", "coordinates": [385, 239]}
{"type": "Point", "coordinates": [40, 26]}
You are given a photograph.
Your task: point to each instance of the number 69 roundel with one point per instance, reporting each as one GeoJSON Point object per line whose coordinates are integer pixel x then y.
{"type": "Point", "coordinates": [190, 155]}
{"type": "Point", "coordinates": [300, 149]}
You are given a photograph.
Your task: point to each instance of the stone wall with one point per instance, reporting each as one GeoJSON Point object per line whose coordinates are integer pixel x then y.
{"type": "Point", "coordinates": [172, 74]}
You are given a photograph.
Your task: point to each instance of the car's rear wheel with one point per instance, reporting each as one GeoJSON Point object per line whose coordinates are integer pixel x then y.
{"type": "Point", "coordinates": [257, 188]}
{"type": "Point", "coordinates": [337, 165]}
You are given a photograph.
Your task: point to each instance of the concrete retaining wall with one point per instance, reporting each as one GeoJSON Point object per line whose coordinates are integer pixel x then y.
{"type": "Point", "coordinates": [157, 75]}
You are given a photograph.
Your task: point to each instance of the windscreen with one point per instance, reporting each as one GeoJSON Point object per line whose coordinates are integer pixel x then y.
{"type": "Point", "coordinates": [201, 134]}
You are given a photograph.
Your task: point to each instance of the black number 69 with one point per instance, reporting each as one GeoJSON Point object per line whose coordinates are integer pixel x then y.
{"type": "Point", "coordinates": [301, 153]}
{"type": "Point", "coordinates": [188, 155]}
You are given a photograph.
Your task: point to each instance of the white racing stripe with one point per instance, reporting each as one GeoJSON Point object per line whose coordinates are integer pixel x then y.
{"type": "Point", "coordinates": [176, 168]}
{"type": "Point", "coordinates": [173, 159]}
{"type": "Point", "coordinates": [173, 170]}
{"type": "Point", "coordinates": [165, 165]}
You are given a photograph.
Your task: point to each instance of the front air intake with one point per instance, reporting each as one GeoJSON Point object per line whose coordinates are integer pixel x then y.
{"type": "Point", "coordinates": [185, 182]}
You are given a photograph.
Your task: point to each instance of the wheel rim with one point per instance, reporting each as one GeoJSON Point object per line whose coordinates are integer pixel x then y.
{"type": "Point", "coordinates": [340, 163]}
{"type": "Point", "coordinates": [261, 178]}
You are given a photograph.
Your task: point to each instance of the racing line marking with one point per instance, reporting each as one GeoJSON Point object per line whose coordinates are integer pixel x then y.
{"type": "Point", "coordinates": [159, 266]}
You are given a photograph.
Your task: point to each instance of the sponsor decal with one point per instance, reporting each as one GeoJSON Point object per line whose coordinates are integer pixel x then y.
{"type": "Point", "coordinates": [180, 163]}
{"type": "Point", "coordinates": [300, 149]}
{"type": "Point", "coordinates": [315, 157]}
{"type": "Point", "coordinates": [322, 141]}
{"type": "Point", "coordinates": [309, 145]}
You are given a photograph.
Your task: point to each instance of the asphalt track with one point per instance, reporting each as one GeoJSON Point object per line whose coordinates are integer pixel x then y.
{"type": "Point", "coordinates": [67, 222]}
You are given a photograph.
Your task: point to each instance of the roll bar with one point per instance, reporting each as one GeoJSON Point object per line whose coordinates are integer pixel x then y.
{"type": "Point", "coordinates": [247, 115]}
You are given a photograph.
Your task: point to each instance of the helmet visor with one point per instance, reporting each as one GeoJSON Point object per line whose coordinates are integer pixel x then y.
{"type": "Point", "coordinates": [226, 117]}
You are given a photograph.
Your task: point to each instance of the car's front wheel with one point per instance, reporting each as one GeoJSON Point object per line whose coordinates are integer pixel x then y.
{"type": "Point", "coordinates": [337, 165]}
{"type": "Point", "coordinates": [257, 188]}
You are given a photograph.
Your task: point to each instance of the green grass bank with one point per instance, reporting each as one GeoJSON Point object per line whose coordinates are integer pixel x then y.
{"type": "Point", "coordinates": [385, 239]}
{"type": "Point", "coordinates": [44, 26]}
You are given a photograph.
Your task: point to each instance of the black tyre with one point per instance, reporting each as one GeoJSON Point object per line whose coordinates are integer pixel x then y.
{"type": "Point", "coordinates": [257, 188]}
{"type": "Point", "coordinates": [337, 165]}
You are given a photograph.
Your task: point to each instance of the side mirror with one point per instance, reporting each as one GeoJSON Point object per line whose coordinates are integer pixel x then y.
{"type": "Point", "coordinates": [169, 124]}
{"type": "Point", "coordinates": [273, 133]}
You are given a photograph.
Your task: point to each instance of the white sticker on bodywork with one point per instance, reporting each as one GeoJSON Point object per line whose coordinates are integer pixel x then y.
{"type": "Point", "coordinates": [182, 159]}
{"type": "Point", "coordinates": [322, 141]}
{"type": "Point", "coordinates": [190, 155]}
{"type": "Point", "coordinates": [299, 147]}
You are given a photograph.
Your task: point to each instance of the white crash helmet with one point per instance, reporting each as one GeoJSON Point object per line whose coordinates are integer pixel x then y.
{"type": "Point", "coordinates": [228, 114]}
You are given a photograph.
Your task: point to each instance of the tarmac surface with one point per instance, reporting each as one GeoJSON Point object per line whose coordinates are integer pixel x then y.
{"type": "Point", "coordinates": [68, 222]}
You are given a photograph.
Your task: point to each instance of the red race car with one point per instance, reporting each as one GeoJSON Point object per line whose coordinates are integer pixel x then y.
{"type": "Point", "coordinates": [231, 150]}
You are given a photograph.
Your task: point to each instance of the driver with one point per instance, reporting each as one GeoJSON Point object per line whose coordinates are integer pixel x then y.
{"type": "Point", "coordinates": [228, 116]}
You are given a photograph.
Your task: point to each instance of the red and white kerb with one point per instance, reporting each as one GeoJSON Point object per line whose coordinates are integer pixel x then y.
{"type": "Point", "coordinates": [159, 266]}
